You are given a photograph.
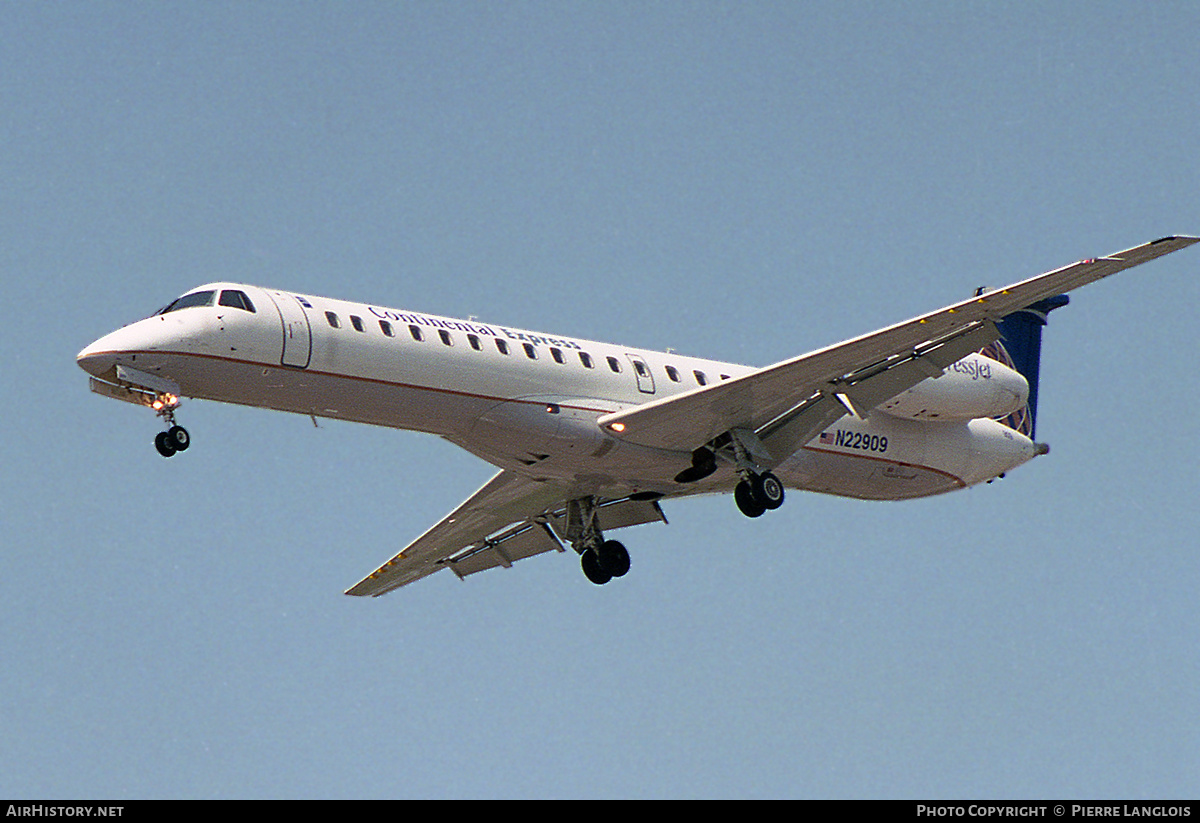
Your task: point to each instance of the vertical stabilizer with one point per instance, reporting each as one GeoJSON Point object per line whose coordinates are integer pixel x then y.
{"type": "Point", "coordinates": [1020, 346]}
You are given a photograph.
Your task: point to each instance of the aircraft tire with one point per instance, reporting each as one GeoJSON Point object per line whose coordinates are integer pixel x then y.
{"type": "Point", "coordinates": [592, 569]}
{"type": "Point", "coordinates": [613, 558]}
{"type": "Point", "coordinates": [179, 438]}
{"type": "Point", "coordinates": [747, 501]}
{"type": "Point", "coordinates": [769, 491]}
{"type": "Point", "coordinates": [164, 444]}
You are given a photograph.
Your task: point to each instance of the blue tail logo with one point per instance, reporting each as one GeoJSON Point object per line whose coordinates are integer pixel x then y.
{"type": "Point", "coordinates": [1020, 348]}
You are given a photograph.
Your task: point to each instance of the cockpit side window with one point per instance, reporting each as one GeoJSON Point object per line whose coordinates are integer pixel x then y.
{"type": "Point", "coordinates": [236, 300]}
{"type": "Point", "coordinates": [189, 301]}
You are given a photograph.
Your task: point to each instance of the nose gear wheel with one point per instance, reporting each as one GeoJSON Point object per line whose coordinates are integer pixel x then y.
{"type": "Point", "coordinates": [176, 437]}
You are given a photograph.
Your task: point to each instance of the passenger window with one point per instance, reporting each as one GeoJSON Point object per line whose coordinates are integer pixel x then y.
{"type": "Point", "coordinates": [530, 351]}
{"type": "Point", "coordinates": [473, 339]}
{"type": "Point", "coordinates": [333, 320]}
{"type": "Point", "coordinates": [357, 323]}
{"type": "Point", "coordinates": [386, 328]}
{"type": "Point", "coordinates": [236, 300]}
{"type": "Point", "coordinates": [415, 331]}
{"type": "Point", "coordinates": [614, 364]}
{"type": "Point", "coordinates": [557, 355]}
{"type": "Point", "coordinates": [700, 378]}
{"type": "Point", "coordinates": [586, 360]}
{"type": "Point", "coordinates": [673, 373]}
{"type": "Point", "coordinates": [640, 368]}
{"type": "Point", "coordinates": [446, 338]}
{"type": "Point", "coordinates": [501, 346]}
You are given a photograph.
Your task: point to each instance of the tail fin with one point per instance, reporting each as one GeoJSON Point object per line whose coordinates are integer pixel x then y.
{"type": "Point", "coordinates": [1020, 346]}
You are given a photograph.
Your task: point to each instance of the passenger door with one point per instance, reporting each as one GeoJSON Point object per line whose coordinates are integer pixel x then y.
{"type": "Point", "coordinates": [297, 336]}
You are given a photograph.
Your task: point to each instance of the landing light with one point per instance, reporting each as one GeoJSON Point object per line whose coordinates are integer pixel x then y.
{"type": "Point", "coordinates": [164, 401]}
{"type": "Point", "coordinates": [617, 427]}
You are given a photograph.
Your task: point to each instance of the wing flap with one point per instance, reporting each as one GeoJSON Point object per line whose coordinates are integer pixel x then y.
{"type": "Point", "coordinates": [527, 540]}
{"type": "Point", "coordinates": [619, 514]}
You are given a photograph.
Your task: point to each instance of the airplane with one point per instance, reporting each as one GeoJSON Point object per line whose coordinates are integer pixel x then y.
{"type": "Point", "coordinates": [591, 437]}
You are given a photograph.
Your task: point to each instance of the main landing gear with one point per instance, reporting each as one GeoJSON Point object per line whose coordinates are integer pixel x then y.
{"type": "Point", "coordinates": [758, 493]}
{"type": "Point", "coordinates": [176, 437]}
{"type": "Point", "coordinates": [604, 562]}
{"type": "Point", "coordinates": [601, 559]}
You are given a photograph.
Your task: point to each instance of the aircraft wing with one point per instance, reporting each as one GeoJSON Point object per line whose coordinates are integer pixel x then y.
{"type": "Point", "coordinates": [506, 499]}
{"type": "Point", "coordinates": [510, 518]}
{"type": "Point", "coordinates": [789, 403]}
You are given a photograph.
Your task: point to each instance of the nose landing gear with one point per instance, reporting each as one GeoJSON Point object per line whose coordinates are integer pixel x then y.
{"type": "Point", "coordinates": [176, 437]}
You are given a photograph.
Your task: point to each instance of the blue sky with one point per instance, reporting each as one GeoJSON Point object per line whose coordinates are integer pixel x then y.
{"type": "Point", "coordinates": [744, 181]}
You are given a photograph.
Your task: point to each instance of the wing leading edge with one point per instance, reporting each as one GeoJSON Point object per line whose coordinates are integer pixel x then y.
{"type": "Point", "coordinates": [789, 403]}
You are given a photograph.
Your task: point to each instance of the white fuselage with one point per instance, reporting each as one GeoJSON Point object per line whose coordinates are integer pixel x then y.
{"type": "Point", "coordinates": [528, 401]}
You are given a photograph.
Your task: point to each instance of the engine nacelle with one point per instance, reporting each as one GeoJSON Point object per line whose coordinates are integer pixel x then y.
{"type": "Point", "coordinates": [974, 387]}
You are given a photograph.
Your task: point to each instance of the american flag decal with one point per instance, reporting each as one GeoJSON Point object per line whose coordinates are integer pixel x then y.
{"type": "Point", "coordinates": [827, 437]}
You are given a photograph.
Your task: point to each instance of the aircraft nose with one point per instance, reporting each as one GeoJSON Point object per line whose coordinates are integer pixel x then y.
{"type": "Point", "coordinates": [136, 345]}
{"type": "Point", "coordinates": [101, 357]}
{"type": "Point", "coordinates": [98, 357]}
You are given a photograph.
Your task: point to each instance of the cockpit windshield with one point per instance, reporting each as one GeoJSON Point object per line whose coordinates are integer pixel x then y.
{"type": "Point", "coordinates": [188, 301]}
{"type": "Point", "coordinates": [232, 298]}
{"type": "Point", "coordinates": [236, 299]}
